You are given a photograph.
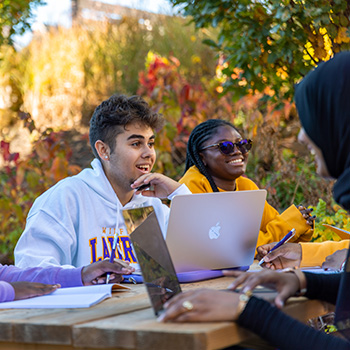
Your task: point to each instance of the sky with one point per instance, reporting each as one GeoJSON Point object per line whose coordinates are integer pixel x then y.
{"type": "Point", "coordinates": [58, 12]}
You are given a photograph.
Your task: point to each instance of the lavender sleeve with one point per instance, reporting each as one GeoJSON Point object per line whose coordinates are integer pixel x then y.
{"type": "Point", "coordinates": [49, 275]}
{"type": "Point", "coordinates": [7, 293]}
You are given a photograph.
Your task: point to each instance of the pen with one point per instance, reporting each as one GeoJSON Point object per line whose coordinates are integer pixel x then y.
{"type": "Point", "coordinates": [149, 284]}
{"type": "Point", "coordinates": [142, 187]}
{"type": "Point", "coordinates": [111, 259]}
{"type": "Point", "coordinates": [285, 239]}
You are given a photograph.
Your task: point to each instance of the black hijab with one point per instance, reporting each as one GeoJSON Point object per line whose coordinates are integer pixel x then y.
{"type": "Point", "coordinates": [323, 102]}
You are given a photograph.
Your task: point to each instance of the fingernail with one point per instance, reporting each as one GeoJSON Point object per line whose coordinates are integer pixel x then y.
{"type": "Point", "coordinates": [160, 318]}
{"type": "Point", "coordinates": [245, 290]}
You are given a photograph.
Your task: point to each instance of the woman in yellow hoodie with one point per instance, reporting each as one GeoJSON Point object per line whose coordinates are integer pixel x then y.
{"type": "Point", "coordinates": [216, 161]}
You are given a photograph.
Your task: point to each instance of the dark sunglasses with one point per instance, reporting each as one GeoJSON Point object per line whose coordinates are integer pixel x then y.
{"type": "Point", "coordinates": [228, 147]}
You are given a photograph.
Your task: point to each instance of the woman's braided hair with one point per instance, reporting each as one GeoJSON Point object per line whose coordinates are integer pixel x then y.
{"type": "Point", "coordinates": [199, 135]}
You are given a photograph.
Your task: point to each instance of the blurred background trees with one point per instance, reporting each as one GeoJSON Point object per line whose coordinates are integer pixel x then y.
{"type": "Point", "coordinates": [256, 52]}
{"type": "Point", "coordinates": [272, 42]}
{"type": "Point", "coordinates": [15, 18]}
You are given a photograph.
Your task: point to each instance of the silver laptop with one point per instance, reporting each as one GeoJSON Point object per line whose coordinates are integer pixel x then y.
{"type": "Point", "coordinates": [214, 230]}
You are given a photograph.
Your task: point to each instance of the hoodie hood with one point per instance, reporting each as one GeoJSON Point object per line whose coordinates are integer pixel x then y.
{"type": "Point", "coordinates": [97, 181]}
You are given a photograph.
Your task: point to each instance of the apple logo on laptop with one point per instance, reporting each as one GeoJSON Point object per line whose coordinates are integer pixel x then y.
{"type": "Point", "coordinates": [214, 231]}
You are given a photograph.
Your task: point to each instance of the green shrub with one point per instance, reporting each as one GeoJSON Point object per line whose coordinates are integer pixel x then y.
{"type": "Point", "coordinates": [335, 216]}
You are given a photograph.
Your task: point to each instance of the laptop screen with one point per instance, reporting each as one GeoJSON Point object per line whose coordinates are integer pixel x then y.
{"type": "Point", "coordinates": [153, 256]}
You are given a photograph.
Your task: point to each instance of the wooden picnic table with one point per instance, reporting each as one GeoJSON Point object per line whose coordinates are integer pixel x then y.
{"type": "Point", "coordinates": [126, 321]}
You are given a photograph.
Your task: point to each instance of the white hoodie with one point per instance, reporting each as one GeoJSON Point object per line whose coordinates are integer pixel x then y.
{"type": "Point", "coordinates": [73, 223]}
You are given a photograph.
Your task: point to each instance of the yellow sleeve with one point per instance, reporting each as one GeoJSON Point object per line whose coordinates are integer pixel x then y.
{"type": "Point", "coordinates": [314, 254]}
{"type": "Point", "coordinates": [195, 181]}
{"type": "Point", "coordinates": [275, 226]}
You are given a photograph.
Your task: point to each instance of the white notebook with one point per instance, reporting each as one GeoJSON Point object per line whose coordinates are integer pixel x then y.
{"type": "Point", "coordinates": [75, 297]}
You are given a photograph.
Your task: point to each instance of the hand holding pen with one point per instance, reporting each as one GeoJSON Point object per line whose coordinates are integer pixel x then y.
{"type": "Point", "coordinates": [285, 239]}
{"type": "Point", "coordinates": [111, 259]}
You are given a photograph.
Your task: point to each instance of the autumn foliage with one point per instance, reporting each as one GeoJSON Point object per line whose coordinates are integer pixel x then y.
{"type": "Point", "coordinates": [273, 43]}
{"type": "Point", "coordinates": [186, 86]}
{"type": "Point", "coordinates": [22, 180]}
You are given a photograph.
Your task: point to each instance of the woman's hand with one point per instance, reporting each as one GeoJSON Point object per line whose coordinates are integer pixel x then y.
{"type": "Point", "coordinates": [287, 255]}
{"type": "Point", "coordinates": [307, 215]}
{"type": "Point", "coordinates": [336, 260]}
{"type": "Point", "coordinates": [286, 284]}
{"type": "Point", "coordinates": [25, 290]}
{"type": "Point", "coordinates": [160, 185]}
{"type": "Point", "coordinates": [208, 305]}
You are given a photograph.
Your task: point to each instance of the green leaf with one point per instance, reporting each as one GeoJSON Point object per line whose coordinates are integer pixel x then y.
{"type": "Point", "coordinates": [211, 43]}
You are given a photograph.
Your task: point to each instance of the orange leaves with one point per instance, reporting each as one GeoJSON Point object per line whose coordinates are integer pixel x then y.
{"type": "Point", "coordinates": [282, 73]}
{"type": "Point", "coordinates": [59, 169]}
{"type": "Point", "coordinates": [342, 36]}
{"type": "Point", "coordinates": [42, 151]}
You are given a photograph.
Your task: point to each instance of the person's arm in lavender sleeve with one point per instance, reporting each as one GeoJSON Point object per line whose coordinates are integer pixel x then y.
{"type": "Point", "coordinates": [88, 275]}
{"type": "Point", "coordinates": [7, 292]}
{"type": "Point", "coordinates": [47, 275]}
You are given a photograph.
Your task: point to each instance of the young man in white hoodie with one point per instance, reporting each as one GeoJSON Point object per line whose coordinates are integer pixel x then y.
{"type": "Point", "coordinates": [73, 223]}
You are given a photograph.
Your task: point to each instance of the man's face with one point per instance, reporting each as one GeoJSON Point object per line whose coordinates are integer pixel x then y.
{"type": "Point", "coordinates": [321, 167]}
{"type": "Point", "coordinates": [133, 156]}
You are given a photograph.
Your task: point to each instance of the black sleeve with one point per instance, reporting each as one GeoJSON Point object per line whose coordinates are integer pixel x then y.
{"type": "Point", "coordinates": [323, 286]}
{"type": "Point", "coordinates": [285, 332]}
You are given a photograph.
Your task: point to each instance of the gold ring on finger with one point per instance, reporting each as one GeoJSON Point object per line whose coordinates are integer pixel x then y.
{"type": "Point", "coordinates": [187, 305]}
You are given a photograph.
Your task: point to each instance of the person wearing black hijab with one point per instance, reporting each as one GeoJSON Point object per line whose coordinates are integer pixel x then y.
{"type": "Point", "coordinates": [323, 103]}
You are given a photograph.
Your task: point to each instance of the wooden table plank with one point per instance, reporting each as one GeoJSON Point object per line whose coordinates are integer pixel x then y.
{"type": "Point", "coordinates": [135, 329]}
{"type": "Point", "coordinates": [23, 346]}
{"type": "Point", "coordinates": [54, 326]}
{"type": "Point", "coordinates": [126, 321]}
{"type": "Point", "coordinates": [140, 330]}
